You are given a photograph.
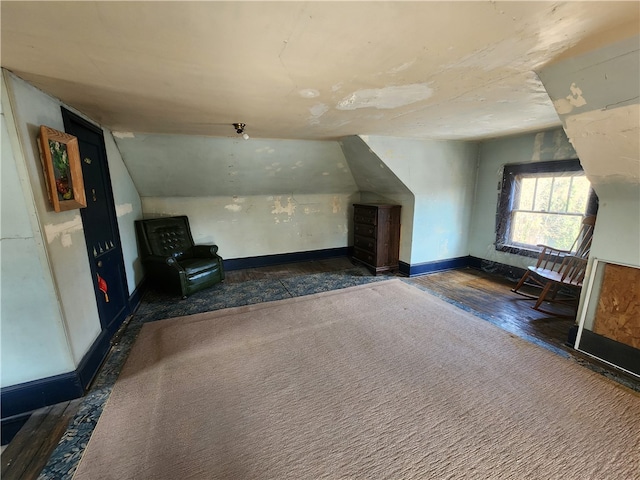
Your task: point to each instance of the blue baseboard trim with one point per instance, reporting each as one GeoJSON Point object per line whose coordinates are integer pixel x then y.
{"type": "Point", "coordinates": [508, 271]}
{"type": "Point", "coordinates": [489, 266]}
{"type": "Point", "coordinates": [475, 262]}
{"type": "Point", "coordinates": [430, 267]}
{"type": "Point", "coordinates": [283, 258]}
{"type": "Point", "coordinates": [29, 396]}
{"type": "Point", "coordinates": [136, 297]}
{"type": "Point", "coordinates": [90, 363]}
{"type": "Point", "coordinates": [18, 401]}
{"type": "Point", "coordinates": [11, 426]}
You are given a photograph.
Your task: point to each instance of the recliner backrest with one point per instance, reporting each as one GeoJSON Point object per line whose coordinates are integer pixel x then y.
{"type": "Point", "coordinates": [166, 236]}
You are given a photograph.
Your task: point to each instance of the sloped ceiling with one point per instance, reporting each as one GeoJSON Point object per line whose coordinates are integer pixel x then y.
{"type": "Point", "coordinates": [304, 70]}
{"type": "Point", "coordinates": [196, 166]}
{"type": "Point", "coordinates": [370, 172]}
{"type": "Point", "coordinates": [597, 96]}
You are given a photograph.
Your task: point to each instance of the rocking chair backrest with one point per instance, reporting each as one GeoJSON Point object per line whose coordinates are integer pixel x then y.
{"type": "Point", "coordinates": [582, 245]}
{"type": "Point", "coordinates": [552, 258]}
{"type": "Point", "coordinates": [573, 270]}
{"type": "Point", "coordinates": [557, 269]}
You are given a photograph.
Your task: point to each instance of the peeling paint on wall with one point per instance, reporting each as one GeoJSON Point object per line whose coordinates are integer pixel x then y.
{"type": "Point", "coordinates": [265, 150]}
{"type": "Point", "coordinates": [63, 230]}
{"type": "Point", "coordinates": [235, 206]}
{"type": "Point", "coordinates": [124, 209]}
{"type": "Point", "coordinates": [551, 145]}
{"type": "Point", "coordinates": [123, 134]}
{"type": "Point", "coordinates": [567, 104]}
{"type": "Point", "coordinates": [278, 208]}
{"type": "Point", "coordinates": [335, 205]}
{"type": "Point", "coordinates": [387, 97]}
{"type": "Point", "coordinates": [309, 210]}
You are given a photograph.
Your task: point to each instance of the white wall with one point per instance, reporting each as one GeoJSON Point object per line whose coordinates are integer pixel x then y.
{"type": "Point", "coordinates": [128, 209]}
{"type": "Point", "coordinates": [251, 198]}
{"type": "Point", "coordinates": [617, 236]}
{"type": "Point", "coordinates": [493, 155]}
{"type": "Point", "coordinates": [32, 338]}
{"type": "Point", "coordinates": [441, 176]}
{"type": "Point", "coordinates": [65, 302]}
{"type": "Point", "coordinates": [255, 225]}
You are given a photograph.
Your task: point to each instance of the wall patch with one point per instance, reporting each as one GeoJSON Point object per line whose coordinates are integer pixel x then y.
{"type": "Point", "coordinates": [124, 209]}
{"type": "Point", "coordinates": [64, 230]}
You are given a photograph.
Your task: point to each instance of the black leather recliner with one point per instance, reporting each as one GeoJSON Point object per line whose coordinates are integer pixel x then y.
{"type": "Point", "coordinates": [171, 260]}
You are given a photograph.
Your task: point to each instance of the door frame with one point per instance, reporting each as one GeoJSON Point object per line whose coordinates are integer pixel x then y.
{"type": "Point", "coordinates": [90, 363]}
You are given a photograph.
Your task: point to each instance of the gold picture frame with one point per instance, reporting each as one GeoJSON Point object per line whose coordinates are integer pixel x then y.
{"type": "Point", "coordinates": [60, 157]}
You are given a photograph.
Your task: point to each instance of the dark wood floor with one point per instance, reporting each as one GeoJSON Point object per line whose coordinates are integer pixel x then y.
{"type": "Point", "coordinates": [28, 452]}
{"type": "Point", "coordinates": [487, 294]}
{"type": "Point", "coordinates": [490, 296]}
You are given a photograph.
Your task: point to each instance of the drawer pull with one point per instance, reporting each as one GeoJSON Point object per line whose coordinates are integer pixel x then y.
{"type": "Point", "coordinates": [364, 230]}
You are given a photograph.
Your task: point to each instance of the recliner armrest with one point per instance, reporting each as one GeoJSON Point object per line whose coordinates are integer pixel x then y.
{"type": "Point", "coordinates": [206, 251]}
{"type": "Point", "coordinates": [162, 261]}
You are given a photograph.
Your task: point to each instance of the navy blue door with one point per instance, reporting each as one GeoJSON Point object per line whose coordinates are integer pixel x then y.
{"type": "Point", "coordinates": [100, 224]}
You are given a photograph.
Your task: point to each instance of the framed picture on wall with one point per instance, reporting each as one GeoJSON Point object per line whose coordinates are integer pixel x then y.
{"type": "Point", "coordinates": [60, 157]}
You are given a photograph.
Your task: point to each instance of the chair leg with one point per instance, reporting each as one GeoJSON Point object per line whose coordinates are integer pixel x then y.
{"type": "Point", "coordinates": [543, 295]}
{"type": "Point", "coordinates": [554, 291]}
{"type": "Point", "coordinates": [521, 282]}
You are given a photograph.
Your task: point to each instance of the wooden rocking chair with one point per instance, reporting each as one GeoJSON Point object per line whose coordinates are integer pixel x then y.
{"type": "Point", "coordinates": [559, 270]}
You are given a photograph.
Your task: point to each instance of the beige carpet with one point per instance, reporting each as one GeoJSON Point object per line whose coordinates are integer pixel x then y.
{"type": "Point", "coordinates": [369, 382]}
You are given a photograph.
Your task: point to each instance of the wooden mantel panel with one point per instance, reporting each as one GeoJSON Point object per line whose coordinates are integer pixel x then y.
{"type": "Point", "coordinates": [618, 312]}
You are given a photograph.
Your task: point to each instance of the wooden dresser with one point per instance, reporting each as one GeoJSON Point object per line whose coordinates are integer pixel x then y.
{"type": "Point", "coordinates": [376, 236]}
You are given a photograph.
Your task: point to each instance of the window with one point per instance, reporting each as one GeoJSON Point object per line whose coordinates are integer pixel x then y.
{"type": "Point", "coordinates": [542, 203]}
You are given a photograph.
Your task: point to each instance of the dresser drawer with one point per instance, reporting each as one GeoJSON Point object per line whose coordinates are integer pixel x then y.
{"type": "Point", "coordinates": [376, 236]}
{"type": "Point", "coordinates": [368, 216]}
{"type": "Point", "coordinates": [364, 230]}
{"type": "Point", "coordinates": [365, 243]}
{"type": "Point", "coordinates": [364, 256]}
